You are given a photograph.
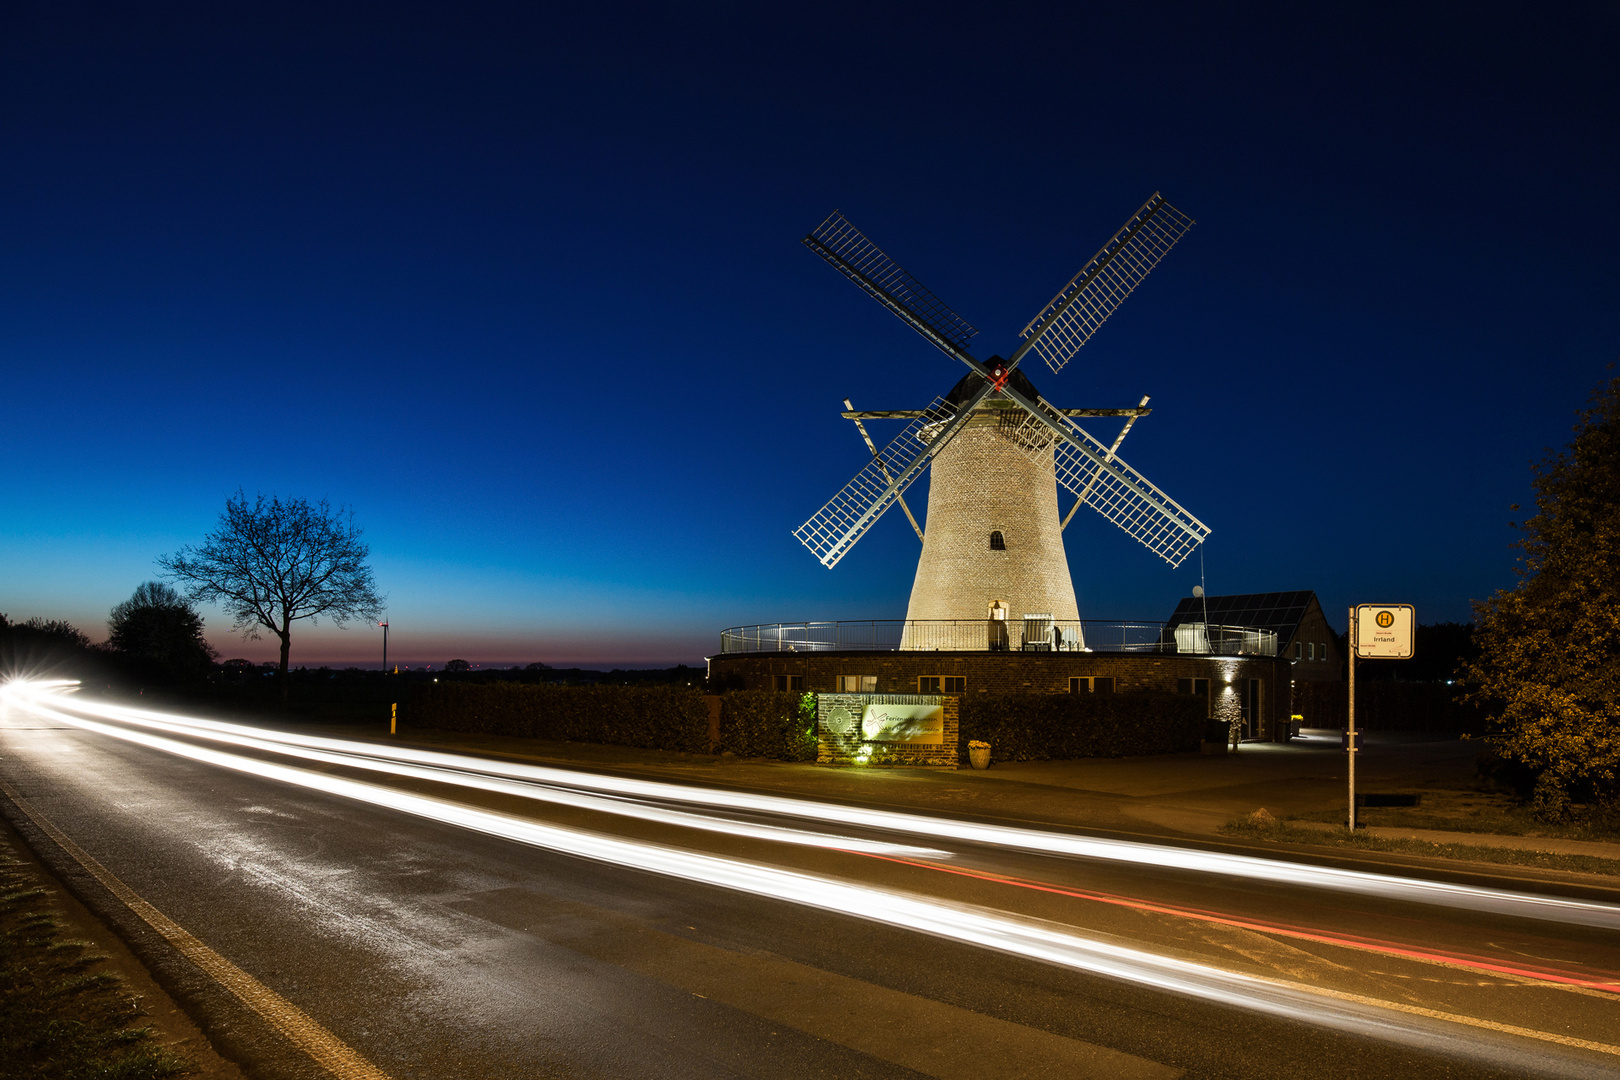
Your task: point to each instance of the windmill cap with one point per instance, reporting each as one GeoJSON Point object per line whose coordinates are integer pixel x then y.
{"type": "Point", "coordinates": [964, 390]}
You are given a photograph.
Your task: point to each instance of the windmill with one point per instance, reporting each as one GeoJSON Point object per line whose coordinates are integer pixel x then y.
{"type": "Point", "coordinates": [993, 545]}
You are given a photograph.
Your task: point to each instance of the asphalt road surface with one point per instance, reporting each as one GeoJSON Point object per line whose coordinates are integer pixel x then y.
{"type": "Point", "coordinates": [452, 917]}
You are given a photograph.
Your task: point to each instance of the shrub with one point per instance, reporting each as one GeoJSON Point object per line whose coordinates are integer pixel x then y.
{"type": "Point", "coordinates": [767, 723]}
{"type": "Point", "coordinates": [1055, 727]}
{"type": "Point", "coordinates": [652, 717]}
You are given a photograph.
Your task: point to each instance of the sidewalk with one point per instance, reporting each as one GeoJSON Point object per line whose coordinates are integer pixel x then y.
{"type": "Point", "coordinates": [1188, 795]}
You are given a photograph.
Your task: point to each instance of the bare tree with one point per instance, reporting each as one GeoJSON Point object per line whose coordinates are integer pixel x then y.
{"type": "Point", "coordinates": [276, 562]}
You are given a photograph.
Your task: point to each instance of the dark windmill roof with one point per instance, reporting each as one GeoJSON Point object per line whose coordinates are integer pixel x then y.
{"type": "Point", "coordinates": [1279, 611]}
{"type": "Point", "coordinates": [971, 382]}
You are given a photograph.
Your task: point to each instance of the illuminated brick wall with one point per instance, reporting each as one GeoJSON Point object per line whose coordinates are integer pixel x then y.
{"type": "Point", "coordinates": [840, 741]}
{"type": "Point", "coordinates": [981, 483]}
{"type": "Point", "coordinates": [1021, 672]}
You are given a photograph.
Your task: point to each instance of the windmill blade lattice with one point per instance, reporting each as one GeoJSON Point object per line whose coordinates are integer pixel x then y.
{"type": "Point", "coordinates": [1124, 496]}
{"type": "Point", "coordinates": [1080, 307]}
{"type": "Point", "coordinates": [864, 263]}
{"type": "Point", "coordinates": [833, 530]}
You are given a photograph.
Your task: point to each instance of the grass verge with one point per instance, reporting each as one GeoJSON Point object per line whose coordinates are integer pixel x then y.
{"type": "Point", "coordinates": [1283, 833]}
{"type": "Point", "coordinates": [60, 1019]}
{"type": "Point", "coordinates": [1474, 809]}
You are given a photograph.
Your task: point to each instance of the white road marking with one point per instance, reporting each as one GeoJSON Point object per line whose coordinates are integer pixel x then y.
{"type": "Point", "coordinates": [300, 1029]}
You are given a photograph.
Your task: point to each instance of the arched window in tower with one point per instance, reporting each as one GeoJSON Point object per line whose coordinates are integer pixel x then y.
{"type": "Point", "coordinates": [997, 543]}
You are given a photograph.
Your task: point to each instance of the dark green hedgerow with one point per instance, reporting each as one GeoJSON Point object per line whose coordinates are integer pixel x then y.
{"type": "Point", "coordinates": [764, 723]}
{"type": "Point", "coordinates": [59, 1018]}
{"type": "Point", "coordinates": [652, 717]}
{"type": "Point", "coordinates": [1058, 727]}
{"type": "Point", "coordinates": [767, 723]}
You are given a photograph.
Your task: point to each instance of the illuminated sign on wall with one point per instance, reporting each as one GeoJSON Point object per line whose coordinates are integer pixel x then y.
{"type": "Point", "coordinates": [898, 723]}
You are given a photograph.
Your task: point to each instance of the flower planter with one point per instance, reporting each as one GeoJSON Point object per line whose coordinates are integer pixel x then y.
{"type": "Point", "coordinates": [979, 757]}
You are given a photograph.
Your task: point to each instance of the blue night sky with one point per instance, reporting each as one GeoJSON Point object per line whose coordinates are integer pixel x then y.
{"type": "Point", "coordinates": [523, 286]}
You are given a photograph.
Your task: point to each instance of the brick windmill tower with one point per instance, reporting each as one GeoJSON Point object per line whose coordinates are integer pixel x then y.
{"type": "Point", "coordinates": [993, 546]}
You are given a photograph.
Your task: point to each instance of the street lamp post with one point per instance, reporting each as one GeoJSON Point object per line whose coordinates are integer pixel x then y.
{"type": "Point", "coordinates": [384, 625]}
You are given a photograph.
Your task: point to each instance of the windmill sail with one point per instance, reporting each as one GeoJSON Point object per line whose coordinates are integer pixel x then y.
{"type": "Point", "coordinates": [864, 263]}
{"type": "Point", "coordinates": [1079, 462]}
{"type": "Point", "coordinates": [1124, 496]}
{"type": "Point", "coordinates": [833, 530]}
{"type": "Point", "coordinates": [1073, 315]}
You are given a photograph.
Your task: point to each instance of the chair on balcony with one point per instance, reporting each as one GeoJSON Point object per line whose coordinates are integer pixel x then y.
{"type": "Point", "coordinates": [1038, 632]}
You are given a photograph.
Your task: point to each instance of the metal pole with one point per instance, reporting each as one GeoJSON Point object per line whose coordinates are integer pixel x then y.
{"type": "Point", "coordinates": [1350, 720]}
{"type": "Point", "coordinates": [385, 647]}
{"type": "Point", "coordinates": [870, 445]}
{"type": "Point", "coordinates": [1112, 450]}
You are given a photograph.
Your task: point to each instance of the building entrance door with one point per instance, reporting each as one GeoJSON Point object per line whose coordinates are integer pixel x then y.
{"type": "Point", "coordinates": [1252, 715]}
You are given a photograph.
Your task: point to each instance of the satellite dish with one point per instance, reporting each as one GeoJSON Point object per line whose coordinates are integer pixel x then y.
{"type": "Point", "coordinates": [1198, 591]}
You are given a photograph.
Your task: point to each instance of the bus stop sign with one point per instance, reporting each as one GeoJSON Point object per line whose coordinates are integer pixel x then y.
{"type": "Point", "coordinates": [1384, 631]}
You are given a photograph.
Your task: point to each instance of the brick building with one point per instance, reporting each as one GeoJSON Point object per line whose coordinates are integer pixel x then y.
{"type": "Point", "coordinates": [994, 541]}
{"type": "Point", "coordinates": [1254, 690]}
{"type": "Point", "coordinates": [1303, 634]}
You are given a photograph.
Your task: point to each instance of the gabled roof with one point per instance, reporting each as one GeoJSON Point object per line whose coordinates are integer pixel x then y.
{"type": "Point", "coordinates": [1279, 611]}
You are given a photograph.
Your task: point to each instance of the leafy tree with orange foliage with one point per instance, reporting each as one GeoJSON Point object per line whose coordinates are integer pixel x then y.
{"type": "Point", "coordinates": [1548, 669]}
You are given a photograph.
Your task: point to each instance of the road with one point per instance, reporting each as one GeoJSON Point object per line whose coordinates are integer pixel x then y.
{"type": "Point", "coordinates": [442, 916]}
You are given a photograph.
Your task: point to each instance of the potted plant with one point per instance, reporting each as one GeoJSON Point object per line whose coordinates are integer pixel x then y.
{"type": "Point", "coordinates": [979, 754]}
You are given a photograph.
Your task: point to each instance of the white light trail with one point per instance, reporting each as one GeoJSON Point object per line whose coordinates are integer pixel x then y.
{"type": "Point", "coordinates": [1030, 938]}
{"type": "Point", "coordinates": [1446, 894]}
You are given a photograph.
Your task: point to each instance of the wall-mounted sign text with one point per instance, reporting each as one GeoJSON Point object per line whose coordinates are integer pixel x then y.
{"type": "Point", "coordinates": [925, 723]}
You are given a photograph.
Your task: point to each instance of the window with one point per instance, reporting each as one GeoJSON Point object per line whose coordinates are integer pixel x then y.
{"type": "Point", "coordinates": [1079, 684]}
{"type": "Point", "coordinates": [1299, 650]}
{"type": "Point", "coordinates": [955, 684]}
{"type": "Point", "coordinates": [790, 683]}
{"type": "Point", "coordinates": [997, 543]}
{"type": "Point", "coordinates": [1321, 650]}
{"type": "Point", "coordinates": [1102, 685]}
{"type": "Point", "coordinates": [857, 684]}
{"type": "Point", "coordinates": [1193, 686]}
{"type": "Point", "coordinates": [1313, 650]}
{"type": "Point", "coordinates": [928, 684]}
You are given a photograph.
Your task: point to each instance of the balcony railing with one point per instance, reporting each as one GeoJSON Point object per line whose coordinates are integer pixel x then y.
{"type": "Point", "coordinates": [1035, 633]}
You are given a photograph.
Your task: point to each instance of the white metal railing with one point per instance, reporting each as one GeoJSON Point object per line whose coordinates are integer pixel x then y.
{"type": "Point", "coordinates": [1032, 633]}
{"type": "Point", "coordinates": [1225, 640]}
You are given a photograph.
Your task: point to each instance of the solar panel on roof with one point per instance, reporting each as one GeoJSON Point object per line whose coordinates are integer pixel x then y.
{"type": "Point", "coordinates": [1279, 611]}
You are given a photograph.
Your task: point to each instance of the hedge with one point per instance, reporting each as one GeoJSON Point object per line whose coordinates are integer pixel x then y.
{"type": "Point", "coordinates": [652, 717]}
{"type": "Point", "coordinates": [1057, 727]}
{"type": "Point", "coordinates": [767, 723]}
{"type": "Point", "coordinates": [754, 723]}
{"type": "Point", "coordinates": [764, 723]}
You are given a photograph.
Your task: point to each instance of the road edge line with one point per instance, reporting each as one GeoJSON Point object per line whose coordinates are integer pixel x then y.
{"type": "Point", "coordinates": [297, 1026]}
{"type": "Point", "coordinates": [1455, 1018]}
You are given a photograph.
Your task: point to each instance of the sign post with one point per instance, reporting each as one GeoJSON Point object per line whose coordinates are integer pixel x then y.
{"type": "Point", "coordinates": [1377, 632]}
{"type": "Point", "coordinates": [1350, 720]}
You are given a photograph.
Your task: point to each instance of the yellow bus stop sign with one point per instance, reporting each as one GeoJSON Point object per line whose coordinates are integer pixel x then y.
{"type": "Point", "coordinates": [1384, 631]}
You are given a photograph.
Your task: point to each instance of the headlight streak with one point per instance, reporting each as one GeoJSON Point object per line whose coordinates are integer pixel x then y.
{"type": "Point", "coordinates": [1604, 989]}
{"type": "Point", "coordinates": [618, 805]}
{"type": "Point", "coordinates": [1029, 938]}
{"type": "Point", "coordinates": [293, 746]}
{"type": "Point", "coordinates": [1437, 893]}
